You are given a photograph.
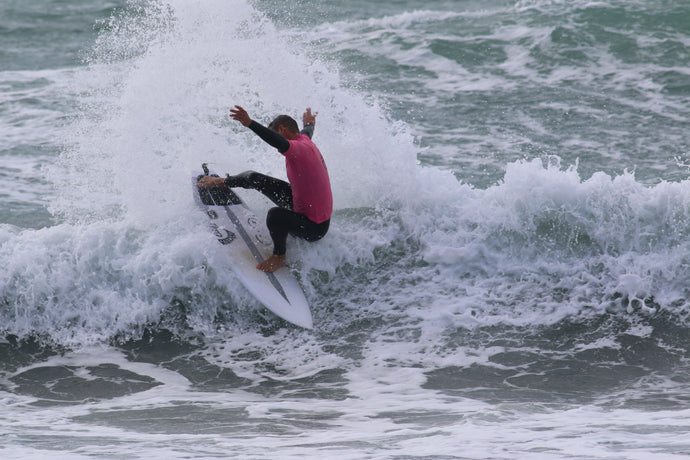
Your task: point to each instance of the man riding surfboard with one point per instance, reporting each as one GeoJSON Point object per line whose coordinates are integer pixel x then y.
{"type": "Point", "coordinates": [304, 204]}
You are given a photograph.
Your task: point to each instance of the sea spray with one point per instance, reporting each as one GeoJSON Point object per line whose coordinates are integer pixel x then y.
{"type": "Point", "coordinates": [167, 110]}
{"type": "Point", "coordinates": [155, 98]}
{"type": "Point", "coordinates": [540, 245]}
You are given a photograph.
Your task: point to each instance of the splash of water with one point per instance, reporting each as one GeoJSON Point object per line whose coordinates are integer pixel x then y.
{"type": "Point", "coordinates": [408, 242]}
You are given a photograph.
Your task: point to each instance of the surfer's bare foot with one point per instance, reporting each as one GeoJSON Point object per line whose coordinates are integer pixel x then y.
{"type": "Point", "coordinates": [272, 264]}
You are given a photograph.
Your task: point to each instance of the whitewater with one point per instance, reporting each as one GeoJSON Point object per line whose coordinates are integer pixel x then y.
{"type": "Point", "coordinates": [506, 273]}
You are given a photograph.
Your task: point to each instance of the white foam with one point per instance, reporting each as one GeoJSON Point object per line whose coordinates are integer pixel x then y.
{"type": "Point", "coordinates": [130, 239]}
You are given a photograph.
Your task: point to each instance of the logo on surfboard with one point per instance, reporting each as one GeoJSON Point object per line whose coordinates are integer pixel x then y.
{"type": "Point", "coordinates": [224, 235]}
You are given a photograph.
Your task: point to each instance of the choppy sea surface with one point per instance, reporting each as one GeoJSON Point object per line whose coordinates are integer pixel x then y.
{"type": "Point", "coordinates": [507, 274]}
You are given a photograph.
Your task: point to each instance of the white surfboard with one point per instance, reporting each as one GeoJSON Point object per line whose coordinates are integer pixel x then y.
{"type": "Point", "coordinates": [246, 238]}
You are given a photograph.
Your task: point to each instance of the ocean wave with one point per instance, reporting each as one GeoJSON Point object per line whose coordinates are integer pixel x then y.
{"type": "Point", "coordinates": [410, 244]}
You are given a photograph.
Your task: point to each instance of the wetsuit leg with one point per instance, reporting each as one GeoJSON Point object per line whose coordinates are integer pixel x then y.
{"type": "Point", "coordinates": [276, 190]}
{"type": "Point", "coordinates": [281, 222]}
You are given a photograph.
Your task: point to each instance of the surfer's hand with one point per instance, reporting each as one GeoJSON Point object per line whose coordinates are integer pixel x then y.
{"type": "Point", "coordinates": [241, 115]}
{"type": "Point", "coordinates": [308, 117]}
{"type": "Point", "coordinates": [211, 182]}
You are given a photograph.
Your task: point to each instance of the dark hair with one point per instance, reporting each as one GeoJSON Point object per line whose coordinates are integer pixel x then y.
{"type": "Point", "coordinates": [284, 120]}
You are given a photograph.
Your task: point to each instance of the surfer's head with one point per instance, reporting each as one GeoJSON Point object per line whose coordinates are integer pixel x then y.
{"type": "Point", "coordinates": [288, 124]}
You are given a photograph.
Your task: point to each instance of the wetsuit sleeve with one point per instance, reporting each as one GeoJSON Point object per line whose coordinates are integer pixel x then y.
{"type": "Point", "coordinates": [308, 130]}
{"type": "Point", "coordinates": [271, 137]}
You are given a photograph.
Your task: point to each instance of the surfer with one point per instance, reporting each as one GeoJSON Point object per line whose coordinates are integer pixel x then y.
{"type": "Point", "coordinates": [305, 203]}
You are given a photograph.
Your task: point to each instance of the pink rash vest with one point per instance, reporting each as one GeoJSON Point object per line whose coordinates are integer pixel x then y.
{"type": "Point", "coordinates": [308, 176]}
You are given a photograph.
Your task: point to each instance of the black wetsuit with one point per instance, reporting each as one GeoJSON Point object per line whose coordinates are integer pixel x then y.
{"type": "Point", "coordinates": [281, 220]}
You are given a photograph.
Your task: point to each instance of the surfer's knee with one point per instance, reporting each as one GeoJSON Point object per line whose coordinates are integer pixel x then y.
{"type": "Point", "coordinates": [275, 219]}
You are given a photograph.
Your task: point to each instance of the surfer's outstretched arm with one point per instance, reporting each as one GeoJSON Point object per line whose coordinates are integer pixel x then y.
{"type": "Point", "coordinates": [269, 136]}
{"type": "Point", "coordinates": [309, 122]}
{"type": "Point", "coordinates": [308, 130]}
